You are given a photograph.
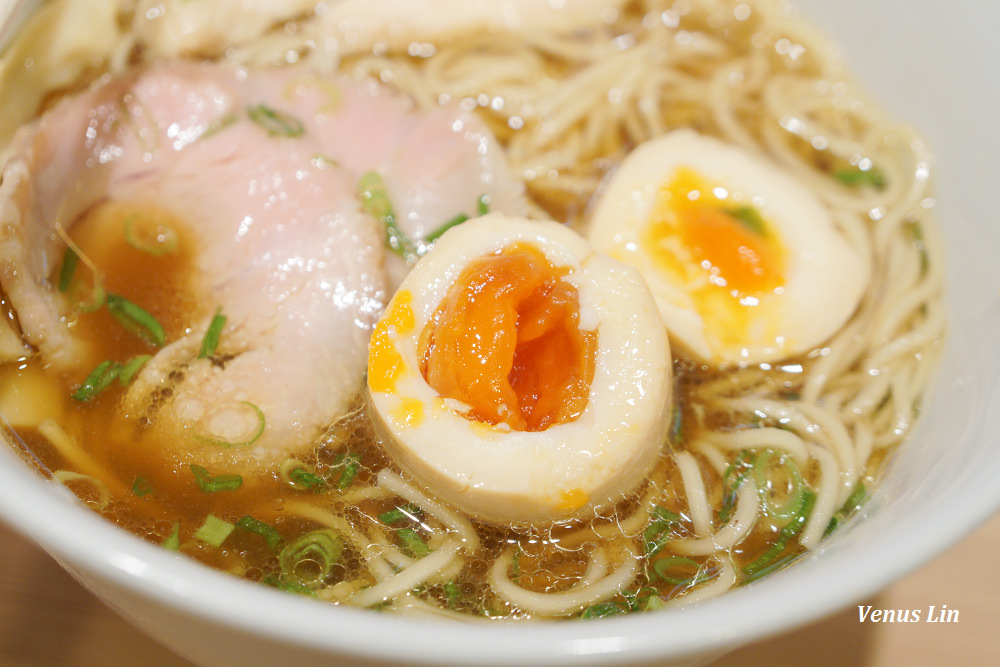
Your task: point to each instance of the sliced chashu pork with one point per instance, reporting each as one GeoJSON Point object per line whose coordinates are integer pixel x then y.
{"type": "Point", "coordinates": [262, 170]}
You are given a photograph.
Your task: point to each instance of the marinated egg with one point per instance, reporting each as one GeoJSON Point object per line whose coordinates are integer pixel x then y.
{"type": "Point", "coordinates": [744, 263]}
{"type": "Point", "coordinates": [520, 375]}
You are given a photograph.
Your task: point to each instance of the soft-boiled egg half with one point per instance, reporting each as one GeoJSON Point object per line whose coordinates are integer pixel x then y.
{"type": "Point", "coordinates": [520, 375]}
{"type": "Point", "coordinates": [745, 264]}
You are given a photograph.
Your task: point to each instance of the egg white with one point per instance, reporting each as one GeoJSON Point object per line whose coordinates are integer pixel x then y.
{"type": "Point", "coordinates": [824, 276]}
{"type": "Point", "coordinates": [568, 470]}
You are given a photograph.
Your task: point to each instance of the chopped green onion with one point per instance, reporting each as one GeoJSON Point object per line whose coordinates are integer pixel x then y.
{"type": "Point", "coordinates": [99, 379]}
{"type": "Point", "coordinates": [218, 125]}
{"type": "Point", "coordinates": [602, 610]}
{"type": "Point", "coordinates": [173, 540]}
{"type": "Point", "coordinates": [399, 514]}
{"type": "Point", "coordinates": [258, 527]}
{"type": "Point", "coordinates": [412, 543]}
{"type": "Point", "coordinates": [308, 560]}
{"type": "Point", "coordinates": [209, 484]}
{"type": "Point", "coordinates": [855, 177]}
{"type": "Point", "coordinates": [276, 123]}
{"type": "Point", "coordinates": [261, 424]}
{"type": "Point", "coordinates": [211, 340]}
{"type": "Point", "coordinates": [452, 592]}
{"type": "Point", "coordinates": [132, 367]}
{"type": "Point", "coordinates": [350, 465]}
{"type": "Point", "coordinates": [454, 222]}
{"type": "Point", "coordinates": [677, 425]}
{"type": "Point", "coordinates": [657, 533]}
{"type": "Point", "coordinates": [300, 476]}
{"type": "Point", "coordinates": [770, 468]}
{"type": "Point", "coordinates": [141, 486]}
{"type": "Point", "coordinates": [69, 264]}
{"type": "Point", "coordinates": [375, 202]}
{"type": "Point", "coordinates": [288, 587]}
{"type": "Point", "coordinates": [732, 479]}
{"type": "Point", "coordinates": [483, 205]}
{"type": "Point", "coordinates": [917, 232]}
{"type": "Point", "coordinates": [853, 503]}
{"type": "Point", "coordinates": [214, 531]}
{"type": "Point", "coordinates": [750, 218]}
{"type": "Point", "coordinates": [136, 319]}
{"type": "Point", "coordinates": [163, 241]}
{"type": "Point", "coordinates": [674, 570]}
{"type": "Point", "coordinates": [787, 533]}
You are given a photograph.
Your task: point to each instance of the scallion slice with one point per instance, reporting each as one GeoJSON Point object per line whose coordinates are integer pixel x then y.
{"type": "Point", "coordinates": [412, 543]}
{"type": "Point", "coordinates": [132, 367]}
{"type": "Point", "coordinates": [772, 470]}
{"type": "Point", "coordinates": [214, 531]}
{"type": "Point", "coordinates": [136, 319]}
{"type": "Point", "coordinates": [173, 540]}
{"type": "Point", "coordinates": [657, 533]}
{"type": "Point", "coordinates": [162, 241]}
{"type": "Point", "coordinates": [375, 201]}
{"type": "Point", "coordinates": [856, 177]}
{"type": "Point", "coordinates": [141, 486]}
{"type": "Point", "coordinates": [209, 484]}
{"type": "Point", "coordinates": [400, 514]}
{"type": "Point", "coordinates": [218, 125]}
{"type": "Point", "coordinates": [99, 379]}
{"type": "Point", "coordinates": [678, 570]}
{"type": "Point", "coordinates": [349, 465]}
{"type": "Point", "coordinates": [211, 340]}
{"type": "Point", "coordinates": [784, 537]}
{"type": "Point", "coordinates": [276, 123]}
{"type": "Point", "coordinates": [308, 560]}
{"type": "Point", "coordinates": [258, 527]}
{"type": "Point", "coordinates": [750, 218]}
{"type": "Point", "coordinates": [68, 268]}
{"type": "Point", "coordinates": [259, 431]}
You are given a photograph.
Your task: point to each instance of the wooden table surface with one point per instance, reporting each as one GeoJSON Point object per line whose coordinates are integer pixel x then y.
{"type": "Point", "coordinates": [49, 620]}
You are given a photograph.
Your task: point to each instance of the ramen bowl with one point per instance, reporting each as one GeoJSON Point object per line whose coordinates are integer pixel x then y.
{"type": "Point", "coordinates": [935, 70]}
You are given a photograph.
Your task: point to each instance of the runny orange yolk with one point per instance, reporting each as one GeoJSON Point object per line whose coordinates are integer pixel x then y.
{"type": "Point", "coordinates": [741, 257]}
{"type": "Point", "coordinates": [506, 341]}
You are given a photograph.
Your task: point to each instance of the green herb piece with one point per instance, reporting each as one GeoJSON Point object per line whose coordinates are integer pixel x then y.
{"type": "Point", "coordinates": [218, 125]}
{"type": "Point", "coordinates": [853, 503]}
{"type": "Point", "coordinates": [657, 533]}
{"type": "Point", "coordinates": [349, 466]}
{"type": "Point", "coordinates": [261, 424]}
{"type": "Point", "coordinates": [856, 177]}
{"type": "Point", "coordinates": [141, 486]}
{"type": "Point", "coordinates": [69, 264]}
{"type": "Point", "coordinates": [258, 527]}
{"type": "Point", "coordinates": [452, 593]}
{"type": "Point", "coordinates": [515, 565]}
{"type": "Point", "coordinates": [375, 202]}
{"type": "Point", "coordinates": [678, 570]}
{"type": "Point", "coordinates": [211, 340]}
{"type": "Point", "coordinates": [209, 484]}
{"type": "Point", "coordinates": [162, 241]}
{"type": "Point", "coordinates": [732, 479]}
{"type": "Point", "coordinates": [483, 205]}
{"type": "Point", "coordinates": [276, 123]}
{"type": "Point", "coordinates": [132, 367]}
{"type": "Point", "coordinates": [214, 531]}
{"type": "Point", "coordinates": [750, 218]}
{"type": "Point", "coordinates": [173, 540]}
{"type": "Point", "coordinates": [288, 587]}
{"type": "Point", "coordinates": [308, 479]}
{"type": "Point", "coordinates": [784, 537]}
{"type": "Point", "coordinates": [602, 610]}
{"type": "Point", "coordinates": [413, 544]}
{"type": "Point", "coordinates": [454, 222]}
{"type": "Point", "coordinates": [917, 232]}
{"type": "Point", "coordinates": [405, 512]}
{"type": "Point", "coordinates": [772, 470]}
{"type": "Point", "coordinates": [99, 379]}
{"type": "Point", "coordinates": [307, 561]}
{"type": "Point", "coordinates": [136, 319]}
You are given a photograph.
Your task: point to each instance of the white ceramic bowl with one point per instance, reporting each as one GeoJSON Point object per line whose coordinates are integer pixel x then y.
{"type": "Point", "coordinates": [935, 68]}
